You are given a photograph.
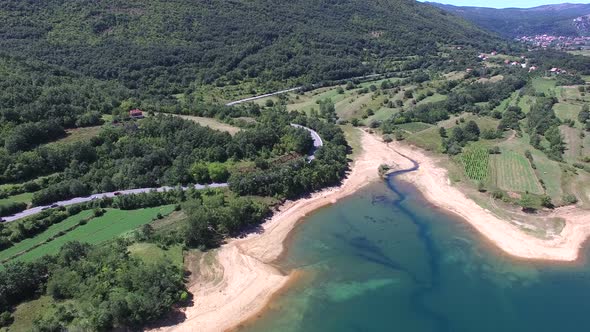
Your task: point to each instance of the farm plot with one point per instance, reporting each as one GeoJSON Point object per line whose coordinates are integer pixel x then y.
{"type": "Point", "coordinates": [544, 85]}
{"type": "Point", "coordinates": [574, 143]}
{"type": "Point", "coordinates": [475, 160]}
{"type": "Point", "coordinates": [513, 172]}
{"type": "Point", "coordinates": [567, 111]}
{"type": "Point", "coordinates": [53, 230]}
{"type": "Point", "coordinates": [107, 227]}
{"type": "Point", "coordinates": [24, 197]}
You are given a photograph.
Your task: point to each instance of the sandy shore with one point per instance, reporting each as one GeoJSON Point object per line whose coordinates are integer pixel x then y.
{"type": "Point", "coordinates": [242, 279]}
{"type": "Point", "coordinates": [434, 184]}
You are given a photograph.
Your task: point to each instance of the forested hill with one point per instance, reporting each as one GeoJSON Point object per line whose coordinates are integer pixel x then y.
{"type": "Point", "coordinates": [515, 22]}
{"type": "Point", "coordinates": [162, 46]}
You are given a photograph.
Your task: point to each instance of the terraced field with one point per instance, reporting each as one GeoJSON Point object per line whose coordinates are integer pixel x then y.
{"type": "Point", "coordinates": [512, 172]}
{"type": "Point", "coordinates": [105, 228]}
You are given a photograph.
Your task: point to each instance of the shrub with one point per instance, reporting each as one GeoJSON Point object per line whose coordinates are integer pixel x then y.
{"type": "Point", "coordinates": [546, 202]}
{"type": "Point", "coordinates": [98, 212]}
{"type": "Point", "coordinates": [569, 199]}
{"type": "Point", "coordinates": [498, 194]}
{"type": "Point", "coordinates": [6, 319]}
{"type": "Point", "coordinates": [494, 150]}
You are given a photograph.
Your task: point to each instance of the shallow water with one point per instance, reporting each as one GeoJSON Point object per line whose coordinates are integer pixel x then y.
{"type": "Point", "coordinates": [385, 260]}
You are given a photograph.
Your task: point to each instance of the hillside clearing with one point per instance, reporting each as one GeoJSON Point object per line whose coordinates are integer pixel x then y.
{"type": "Point", "coordinates": [211, 123]}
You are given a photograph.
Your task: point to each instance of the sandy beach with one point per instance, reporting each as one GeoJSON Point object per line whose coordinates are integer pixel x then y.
{"type": "Point", "coordinates": [242, 279]}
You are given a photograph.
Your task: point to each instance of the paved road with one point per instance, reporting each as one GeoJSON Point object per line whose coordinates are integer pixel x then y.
{"type": "Point", "coordinates": [294, 89]}
{"type": "Point", "coordinates": [77, 200]}
{"type": "Point", "coordinates": [317, 143]}
{"type": "Point", "coordinates": [262, 96]}
{"type": "Point", "coordinates": [317, 140]}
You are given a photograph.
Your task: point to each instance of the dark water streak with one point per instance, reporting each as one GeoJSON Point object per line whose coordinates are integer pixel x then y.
{"type": "Point", "coordinates": [424, 289]}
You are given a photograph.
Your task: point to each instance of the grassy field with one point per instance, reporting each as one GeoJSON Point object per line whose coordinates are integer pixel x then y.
{"type": "Point", "coordinates": [414, 127]}
{"type": "Point", "coordinates": [572, 94]}
{"type": "Point", "coordinates": [428, 139]}
{"type": "Point", "coordinates": [353, 138]}
{"type": "Point", "coordinates": [51, 231]}
{"type": "Point", "coordinates": [544, 85]}
{"type": "Point", "coordinates": [575, 145]}
{"type": "Point", "coordinates": [151, 253]}
{"type": "Point", "coordinates": [548, 171]}
{"type": "Point", "coordinates": [382, 114]}
{"type": "Point", "coordinates": [211, 123]}
{"type": "Point", "coordinates": [525, 103]}
{"type": "Point", "coordinates": [25, 314]}
{"type": "Point", "coordinates": [354, 106]}
{"type": "Point", "coordinates": [580, 52]}
{"type": "Point", "coordinates": [567, 111]}
{"type": "Point", "coordinates": [513, 172]}
{"type": "Point", "coordinates": [25, 197]}
{"type": "Point", "coordinates": [112, 224]}
{"type": "Point", "coordinates": [433, 99]}
{"type": "Point", "coordinates": [81, 134]}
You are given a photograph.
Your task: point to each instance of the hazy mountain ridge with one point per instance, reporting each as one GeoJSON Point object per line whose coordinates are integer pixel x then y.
{"type": "Point", "coordinates": [563, 19]}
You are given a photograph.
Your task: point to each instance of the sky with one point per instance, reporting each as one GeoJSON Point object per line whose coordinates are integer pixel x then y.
{"type": "Point", "coordinates": [505, 3]}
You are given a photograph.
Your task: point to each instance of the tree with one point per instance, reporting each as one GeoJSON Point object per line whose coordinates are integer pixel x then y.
{"type": "Point", "coordinates": [546, 202]}
{"type": "Point", "coordinates": [584, 114]}
{"type": "Point", "coordinates": [457, 135]}
{"type": "Point", "coordinates": [218, 172]}
{"type": "Point", "coordinates": [442, 132]}
{"type": "Point", "coordinates": [527, 203]}
{"type": "Point", "coordinates": [200, 172]}
{"type": "Point", "coordinates": [471, 131]}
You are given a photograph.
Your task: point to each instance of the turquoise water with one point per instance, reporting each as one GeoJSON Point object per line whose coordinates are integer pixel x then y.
{"type": "Point", "coordinates": [385, 260]}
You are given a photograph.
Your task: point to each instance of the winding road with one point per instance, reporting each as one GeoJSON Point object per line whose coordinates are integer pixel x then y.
{"type": "Point", "coordinates": [317, 143]}
{"type": "Point", "coordinates": [371, 76]}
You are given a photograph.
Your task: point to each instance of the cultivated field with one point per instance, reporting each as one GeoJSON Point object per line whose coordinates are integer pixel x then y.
{"type": "Point", "coordinates": [98, 230]}
{"type": "Point", "coordinates": [475, 161]}
{"type": "Point", "coordinates": [152, 253]}
{"type": "Point", "coordinates": [513, 172]}
{"type": "Point", "coordinates": [53, 230]}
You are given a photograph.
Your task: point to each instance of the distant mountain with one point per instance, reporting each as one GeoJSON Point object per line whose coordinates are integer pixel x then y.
{"type": "Point", "coordinates": [563, 19]}
{"type": "Point", "coordinates": [163, 46]}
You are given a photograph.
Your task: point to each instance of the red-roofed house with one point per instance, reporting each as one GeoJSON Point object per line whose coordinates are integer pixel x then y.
{"type": "Point", "coordinates": [136, 113]}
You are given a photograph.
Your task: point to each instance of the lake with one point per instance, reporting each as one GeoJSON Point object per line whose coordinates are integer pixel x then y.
{"type": "Point", "coordinates": [385, 260]}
